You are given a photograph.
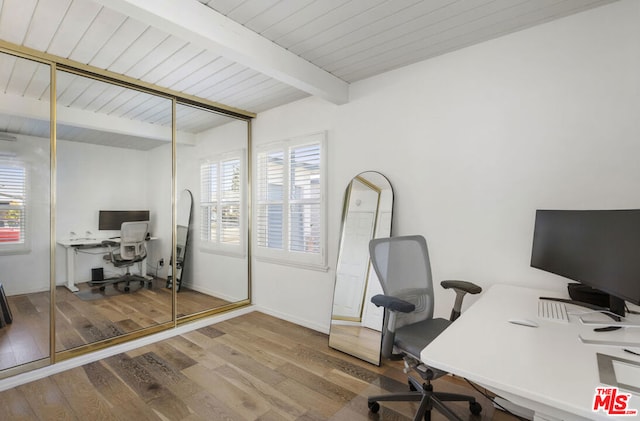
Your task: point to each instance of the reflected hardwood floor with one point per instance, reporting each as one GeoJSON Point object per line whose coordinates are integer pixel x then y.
{"type": "Point", "coordinates": [253, 367]}
{"type": "Point", "coordinates": [79, 321]}
{"type": "Point", "coordinates": [362, 341]}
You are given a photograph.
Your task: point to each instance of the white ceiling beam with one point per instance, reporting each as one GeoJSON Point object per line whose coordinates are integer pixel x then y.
{"type": "Point", "coordinates": [194, 22]}
{"type": "Point", "coordinates": [31, 108]}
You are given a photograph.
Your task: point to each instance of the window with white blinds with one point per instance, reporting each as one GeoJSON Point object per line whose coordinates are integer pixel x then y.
{"type": "Point", "coordinates": [221, 201]}
{"type": "Point", "coordinates": [13, 206]}
{"type": "Point", "coordinates": [289, 205]}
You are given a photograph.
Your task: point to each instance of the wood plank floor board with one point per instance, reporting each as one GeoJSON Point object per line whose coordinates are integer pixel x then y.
{"type": "Point", "coordinates": [309, 398]}
{"type": "Point", "coordinates": [15, 406]}
{"type": "Point", "coordinates": [344, 380]}
{"type": "Point", "coordinates": [207, 406]}
{"type": "Point", "coordinates": [173, 356]}
{"type": "Point", "coordinates": [329, 389]}
{"type": "Point", "coordinates": [155, 394]}
{"type": "Point", "coordinates": [247, 364]}
{"type": "Point", "coordinates": [253, 367]}
{"type": "Point", "coordinates": [47, 401]}
{"type": "Point", "coordinates": [279, 403]}
{"type": "Point", "coordinates": [169, 376]}
{"type": "Point", "coordinates": [240, 400]}
{"type": "Point", "coordinates": [242, 343]}
{"type": "Point", "coordinates": [125, 403]}
{"type": "Point", "coordinates": [188, 348]}
{"type": "Point", "coordinates": [85, 401]}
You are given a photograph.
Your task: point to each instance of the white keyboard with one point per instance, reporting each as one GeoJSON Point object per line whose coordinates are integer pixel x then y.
{"type": "Point", "coordinates": [552, 310]}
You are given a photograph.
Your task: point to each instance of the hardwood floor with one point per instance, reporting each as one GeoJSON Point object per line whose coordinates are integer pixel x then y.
{"type": "Point", "coordinates": [80, 321]}
{"type": "Point", "coordinates": [253, 367]}
{"type": "Point", "coordinates": [358, 341]}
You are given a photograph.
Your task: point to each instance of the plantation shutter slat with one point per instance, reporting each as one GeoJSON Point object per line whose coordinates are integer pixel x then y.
{"type": "Point", "coordinates": [289, 194]}
{"type": "Point", "coordinates": [270, 207]}
{"type": "Point", "coordinates": [230, 202]}
{"type": "Point", "coordinates": [305, 194]}
{"type": "Point", "coordinates": [208, 201]}
{"type": "Point", "coordinates": [220, 201]}
{"type": "Point", "coordinates": [13, 199]}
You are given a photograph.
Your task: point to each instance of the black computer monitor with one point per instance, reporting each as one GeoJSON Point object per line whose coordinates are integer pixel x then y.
{"type": "Point", "coordinates": [598, 248]}
{"type": "Point", "coordinates": [111, 220]}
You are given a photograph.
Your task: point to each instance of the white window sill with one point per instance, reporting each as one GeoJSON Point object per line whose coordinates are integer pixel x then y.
{"type": "Point", "coordinates": [227, 253]}
{"type": "Point", "coordinates": [290, 263]}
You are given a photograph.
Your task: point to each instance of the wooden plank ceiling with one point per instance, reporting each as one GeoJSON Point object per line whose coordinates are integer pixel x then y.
{"type": "Point", "coordinates": [341, 41]}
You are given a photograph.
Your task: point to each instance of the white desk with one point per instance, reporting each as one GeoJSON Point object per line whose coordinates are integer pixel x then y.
{"type": "Point", "coordinates": [546, 369]}
{"type": "Point", "coordinates": [71, 247]}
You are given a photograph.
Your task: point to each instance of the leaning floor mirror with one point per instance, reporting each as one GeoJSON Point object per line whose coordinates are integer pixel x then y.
{"type": "Point", "coordinates": [356, 324]}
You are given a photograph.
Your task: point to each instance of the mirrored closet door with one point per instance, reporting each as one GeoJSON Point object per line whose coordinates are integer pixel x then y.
{"type": "Point", "coordinates": [25, 212]}
{"type": "Point", "coordinates": [212, 265]}
{"type": "Point", "coordinates": [113, 210]}
{"type": "Point", "coordinates": [123, 211]}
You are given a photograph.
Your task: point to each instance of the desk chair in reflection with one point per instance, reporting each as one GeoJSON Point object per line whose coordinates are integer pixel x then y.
{"type": "Point", "coordinates": [125, 253]}
{"type": "Point", "coordinates": [403, 267]}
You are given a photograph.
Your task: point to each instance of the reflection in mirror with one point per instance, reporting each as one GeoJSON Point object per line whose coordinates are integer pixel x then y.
{"type": "Point", "coordinates": [114, 165]}
{"type": "Point", "coordinates": [356, 324]}
{"type": "Point", "coordinates": [183, 237]}
{"type": "Point", "coordinates": [211, 162]}
{"type": "Point", "coordinates": [25, 228]}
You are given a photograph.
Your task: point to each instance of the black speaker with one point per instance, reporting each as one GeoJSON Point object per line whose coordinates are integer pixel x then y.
{"type": "Point", "coordinates": [589, 295]}
{"type": "Point", "coordinates": [97, 274]}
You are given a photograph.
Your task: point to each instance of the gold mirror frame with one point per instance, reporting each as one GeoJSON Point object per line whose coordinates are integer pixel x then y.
{"type": "Point", "coordinates": [356, 324]}
{"type": "Point", "coordinates": [58, 63]}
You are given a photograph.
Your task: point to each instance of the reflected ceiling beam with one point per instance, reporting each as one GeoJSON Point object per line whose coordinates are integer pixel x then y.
{"type": "Point", "coordinates": [31, 108]}
{"type": "Point", "coordinates": [194, 22]}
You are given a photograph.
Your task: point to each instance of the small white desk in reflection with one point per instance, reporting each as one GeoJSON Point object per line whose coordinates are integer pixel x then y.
{"type": "Point", "coordinates": [546, 369]}
{"type": "Point", "coordinates": [72, 245]}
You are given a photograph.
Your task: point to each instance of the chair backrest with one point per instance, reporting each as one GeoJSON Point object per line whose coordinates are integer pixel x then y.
{"type": "Point", "coordinates": [403, 267]}
{"type": "Point", "coordinates": [132, 238]}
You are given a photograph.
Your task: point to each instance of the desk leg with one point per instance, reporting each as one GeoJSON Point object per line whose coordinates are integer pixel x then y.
{"type": "Point", "coordinates": [71, 269]}
{"type": "Point", "coordinates": [143, 270]}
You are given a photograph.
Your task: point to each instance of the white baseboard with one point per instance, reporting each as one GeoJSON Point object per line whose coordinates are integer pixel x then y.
{"type": "Point", "coordinates": [293, 319]}
{"type": "Point", "coordinates": [49, 370]}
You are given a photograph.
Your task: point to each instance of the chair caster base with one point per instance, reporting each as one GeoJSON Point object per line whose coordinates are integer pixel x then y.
{"type": "Point", "coordinates": [475, 408]}
{"type": "Point", "coordinates": [374, 407]}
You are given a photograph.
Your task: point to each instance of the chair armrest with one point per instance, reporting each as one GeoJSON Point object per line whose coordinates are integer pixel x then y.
{"type": "Point", "coordinates": [392, 303]}
{"type": "Point", "coordinates": [109, 243]}
{"type": "Point", "coordinates": [464, 286]}
{"type": "Point", "coordinates": [461, 288]}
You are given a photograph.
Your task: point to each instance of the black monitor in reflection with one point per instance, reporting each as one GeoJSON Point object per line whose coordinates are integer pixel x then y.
{"type": "Point", "coordinates": [111, 220]}
{"type": "Point", "coordinates": [598, 248]}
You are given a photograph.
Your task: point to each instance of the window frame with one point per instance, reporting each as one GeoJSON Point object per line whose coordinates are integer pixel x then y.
{"type": "Point", "coordinates": [216, 246]}
{"type": "Point", "coordinates": [284, 255]}
{"type": "Point", "coordinates": [24, 246]}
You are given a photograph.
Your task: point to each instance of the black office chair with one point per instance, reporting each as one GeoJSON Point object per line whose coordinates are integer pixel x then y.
{"type": "Point", "coordinates": [403, 267]}
{"type": "Point", "coordinates": [125, 253]}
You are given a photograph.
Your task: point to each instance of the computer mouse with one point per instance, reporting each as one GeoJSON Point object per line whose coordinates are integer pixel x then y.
{"type": "Point", "coordinates": [523, 322]}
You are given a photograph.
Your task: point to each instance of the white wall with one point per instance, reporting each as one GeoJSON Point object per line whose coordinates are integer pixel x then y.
{"type": "Point", "coordinates": [474, 142]}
